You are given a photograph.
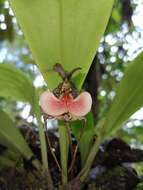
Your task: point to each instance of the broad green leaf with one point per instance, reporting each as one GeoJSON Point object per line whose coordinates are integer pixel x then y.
{"type": "Point", "coordinates": [62, 31]}
{"type": "Point", "coordinates": [15, 85]}
{"type": "Point", "coordinates": [129, 96]}
{"type": "Point", "coordinates": [11, 137]}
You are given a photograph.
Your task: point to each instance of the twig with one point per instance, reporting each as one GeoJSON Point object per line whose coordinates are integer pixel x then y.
{"type": "Point", "coordinates": [49, 143]}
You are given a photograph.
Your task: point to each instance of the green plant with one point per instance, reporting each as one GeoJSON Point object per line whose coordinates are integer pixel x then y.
{"type": "Point", "coordinates": [59, 35]}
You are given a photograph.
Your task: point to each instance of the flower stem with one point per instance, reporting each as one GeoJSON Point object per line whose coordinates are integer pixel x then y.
{"type": "Point", "coordinates": [64, 150]}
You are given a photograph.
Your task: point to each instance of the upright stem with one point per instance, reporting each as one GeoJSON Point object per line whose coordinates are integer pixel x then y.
{"type": "Point", "coordinates": [84, 172]}
{"type": "Point", "coordinates": [44, 151]}
{"type": "Point", "coordinates": [76, 149]}
{"type": "Point", "coordinates": [42, 141]}
{"type": "Point", "coordinates": [64, 150]}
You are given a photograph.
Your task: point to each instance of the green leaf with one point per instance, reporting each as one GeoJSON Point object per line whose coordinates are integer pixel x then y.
{"type": "Point", "coordinates": [139, 186]}
{"type": "Point", "coordinates": [63, 31]}
{"type": "Point", "coordinates": [129, 96]}
{"type": "Point", "coordinates": [15, 85]}
{"type": "Point", "coordinates": [5, 161]}
{"type": "Point", "coordinates": [8, 158]}
{"type": "Point", "coordinates": [11, 137]}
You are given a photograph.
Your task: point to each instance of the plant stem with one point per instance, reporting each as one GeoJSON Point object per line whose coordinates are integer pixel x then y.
{"type": "Point", "coordinates": [64, 150]}
{"type": "Point", "coordinates": [70, 139]}
{"type": "Point", "coordinates": [101, 136]}
{"type": "Point", "coordinates": [42, 142]}
{"type": "Point", "coordinates": [43, 145]}
{"type": "Point", "coordinates": [84, 172]}
{"type": "Point", "coordinates": [76, 148]}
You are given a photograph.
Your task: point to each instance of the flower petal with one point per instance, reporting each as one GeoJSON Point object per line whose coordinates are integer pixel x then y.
{"type": "Point", "coordinates": [81, 105]}
{"type": "Point", "coordinates": [52, 105]}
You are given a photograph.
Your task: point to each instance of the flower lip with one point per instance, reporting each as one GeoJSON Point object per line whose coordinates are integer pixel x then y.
{"type": "Point", "coordinates": [77, 107]}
